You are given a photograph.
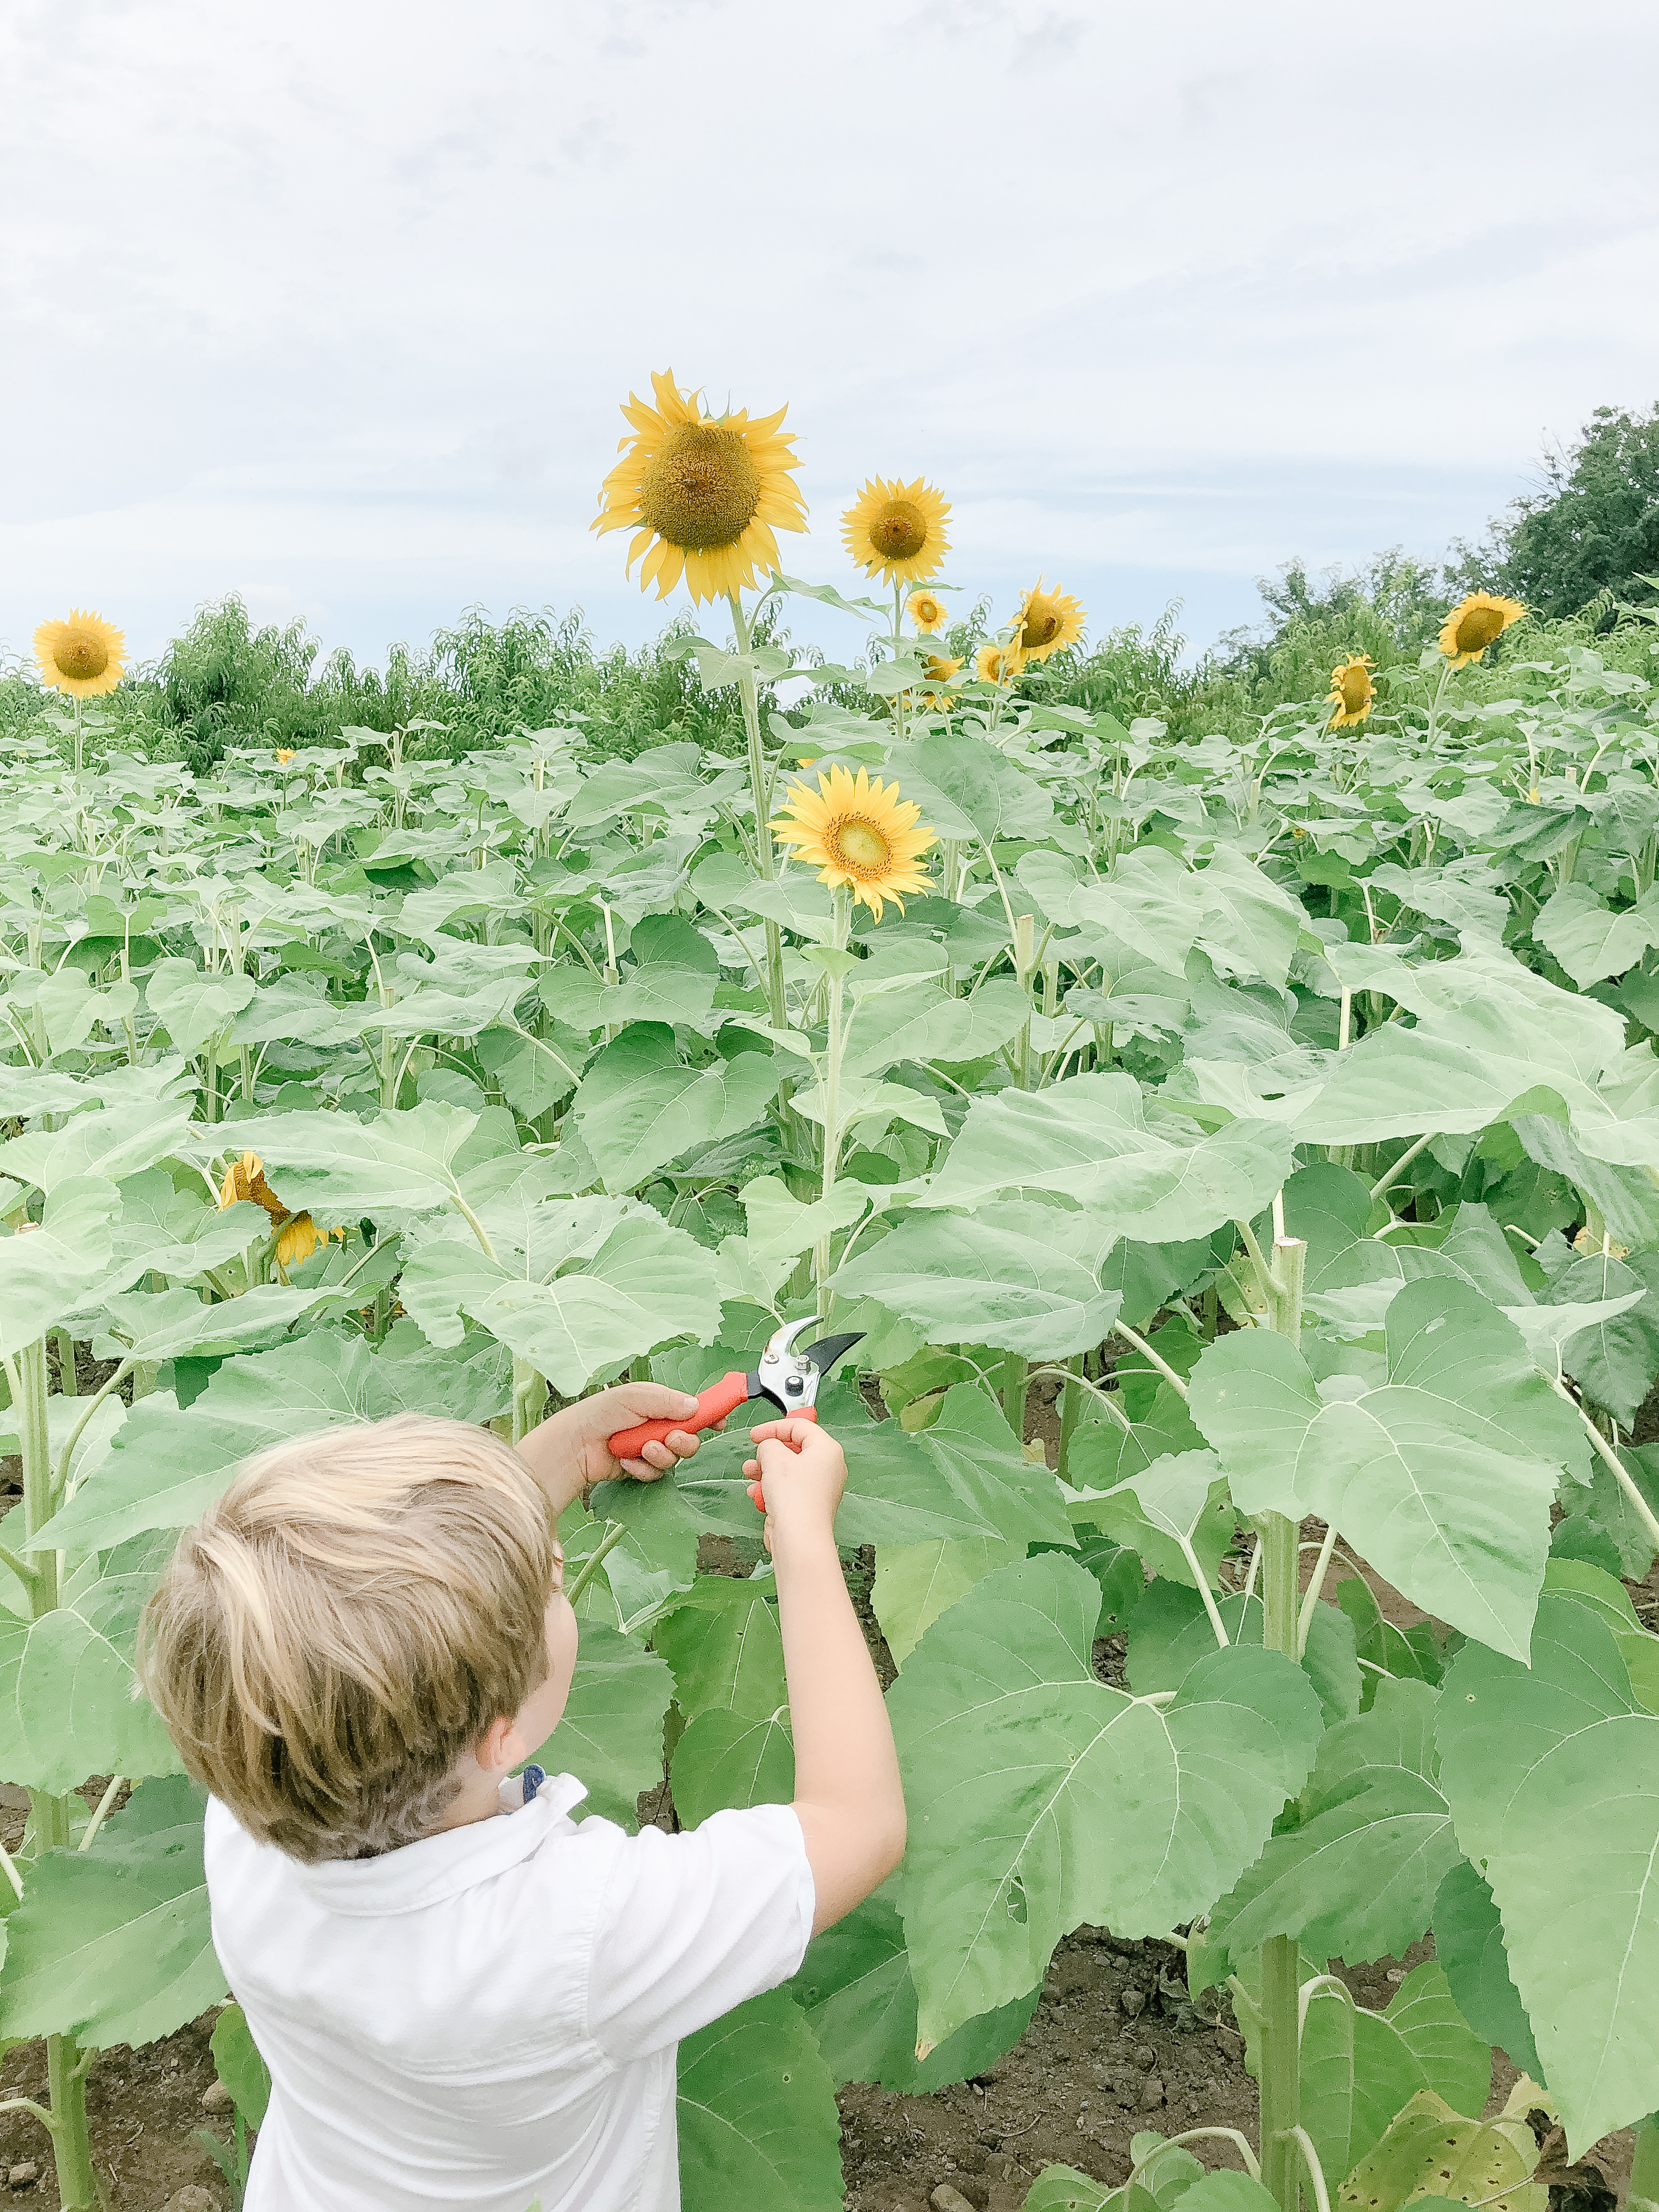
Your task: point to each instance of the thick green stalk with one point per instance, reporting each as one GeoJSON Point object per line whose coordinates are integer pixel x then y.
{"type": "Point", "coordinates": [1016, 1381]}
{"type": "Point", "coordinates": [765, 859]}
{"type": "Point", "coordinates": [834, 1047]}
{"type": "Point", "coordinates": [1281, 2025]}
{"type": "Point", "coordinates": [1071, 1405]}
{"type": "Point", "coordinates": [71, 2144]}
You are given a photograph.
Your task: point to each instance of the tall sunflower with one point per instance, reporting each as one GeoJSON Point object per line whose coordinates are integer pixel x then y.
{"type": "Point", "coordinates": [1474, 623]}
{"type": "Point", "coordinates": [703, 494]}
{"type": "Point", "coordinates": [1352, 693]}
{"type": "Point", "coordinates": [83, 654]}
{"type": "Point", "coordinates": [1047, 620]}
{"type": "Point", "coordinates": [927, 611]}
{"type": "Point", "coordinates": [998, 663]}
{"type": "Point", "coordinates": [856, 832]}
{"type": "Point", "coordinates": [898, 530]}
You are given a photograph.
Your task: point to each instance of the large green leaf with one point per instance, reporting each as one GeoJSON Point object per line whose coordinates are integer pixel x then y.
{"type": "Point", "coordinates": [1442, 1475]}
{"type": "Point", "coordinates": [782, 1225]}
{"type": "Point", "coordinates": [113, 1945]}
{"type": "Point", "coordinates": [722, 1642]}
{"type": "Point", "coordinates": [1591, 939]}
{"type": "Point", "coordinates": [167, 1465]}
{"type": "Point", "coordinates": [920, 1022]}
{"type": "Point", "coordinates": [1357, 1876]}
{"type": "Point", "coordinates": [49, 1268]}
{"type": "Point", "coordinates": [1175, 1513]}
{"type": "Point", "coordinates": [639, 1106]}
{"type": "Point", "coordinates": [1024, 1277]}
{"type": "Point", "coordinates": [1552, 1774]}
{"type": "Point", "coordinates": [1468, 1942]}
{"type": "Point", "coordinates": [916, 1582]}
{"type": "Point", "coordinates": [120, 1141]}
{"type": "Point", "coordinates": [610, 1732]}
{"type": "Point", "coordinates": [337, 1167]}
{"type": "Point", "coordinates": [69, 1702]}
{"type": "Point", "coordinates": [1431, 2157]}
{"type": "Point", "coordinates": [575, 1285]}
{"type": "Point", "coordinates": [1040, 1797]}
{"type": "Point", "coordinates": [1359, 2068]}
{"type": "Point", "coordinates": [757, 2117]}
{"type": "Point", "coordinates": [1088, 1140]}
{"type": "Point", "coordinates": [725, 1758]}
{"type": "Point", "coordinates": [193, 1004]}
{"type": "Point", "coordinates": [855, 1985]}
{"type": "Point", "coordinates": [1170, 1630]}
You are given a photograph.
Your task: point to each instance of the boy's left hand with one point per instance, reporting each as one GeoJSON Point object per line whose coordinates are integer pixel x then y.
{"type": "Point", "coordinates": [595, 1420]}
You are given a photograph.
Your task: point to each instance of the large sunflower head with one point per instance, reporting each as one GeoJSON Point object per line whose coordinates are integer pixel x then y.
{"type": "Point", "coordinates": [703, 494]}
{"type": "Point", "coordinates": [1352, 694]}
{"type": "Point", "coordinates": [1047, 620]}
{"type": "Point", "coordinates": [927, 611]}
{"type": "Point", "coordinates": [1474, 623]}
{"type": "Point", "coordinates": [896, 530]}
{"type": "Point", "coordinates": [83, 654]}
{"type": "Point", "coordinates": [998, 663]}
{"type": "Point", "coordinates": [856, 832]}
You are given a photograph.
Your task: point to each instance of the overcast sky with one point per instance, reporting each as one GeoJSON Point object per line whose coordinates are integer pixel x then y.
{"type": "Point", "coordinates": [332, 304]}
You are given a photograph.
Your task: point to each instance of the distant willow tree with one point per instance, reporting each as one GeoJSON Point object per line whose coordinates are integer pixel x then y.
{"type": "Point", "coordinates": [1592, 527]}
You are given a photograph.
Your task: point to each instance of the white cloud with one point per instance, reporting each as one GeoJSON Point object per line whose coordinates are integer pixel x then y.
{"type": "Point", "coordinates": [337, 306]}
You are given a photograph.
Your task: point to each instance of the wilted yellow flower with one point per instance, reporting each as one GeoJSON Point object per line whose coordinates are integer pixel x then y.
{"type": "Point", "coordinates": [297, 1235]}
{"type": "Point", "coordinates": [857, 832]}
{"type": "Point", "coordinates": [1047, 620]}
{"type": "Point", "coordinates": [83, 654]}
{"type": "Point", "coordinates": [702, 493]}
{"type": "Point", "coordinates": [927, 611]}
{"type": "Point", "coordinates": [1474, 623]}
{"type": "Point", "coordinates": [998, 663]}
{"type": "Point", "coordinates": [898, 530]}
{"type": "Point", "coordinates": [1353, 692]}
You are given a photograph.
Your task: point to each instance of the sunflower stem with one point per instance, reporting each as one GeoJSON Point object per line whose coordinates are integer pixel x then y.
{"type": "Point", "coordinates": [764, 854]}
{"type": "Point", "coordinates": [834, 1050]}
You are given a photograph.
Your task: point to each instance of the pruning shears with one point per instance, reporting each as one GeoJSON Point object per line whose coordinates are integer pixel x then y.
{"type": "Point", "coordinates": [786, 1378]}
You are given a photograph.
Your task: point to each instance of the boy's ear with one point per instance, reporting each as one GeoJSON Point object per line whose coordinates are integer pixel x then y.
{"type": "Point", "coordinates": [501, 1746]}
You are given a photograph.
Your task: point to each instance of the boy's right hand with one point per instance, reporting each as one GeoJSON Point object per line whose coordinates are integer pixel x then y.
{"type": "Point", "coordinates": [797, 1476]}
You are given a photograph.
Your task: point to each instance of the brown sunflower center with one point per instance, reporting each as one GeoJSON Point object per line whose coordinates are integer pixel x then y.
{"type": "Point", "coordinates": [898, 530]}
{"type": "Point", "coordinates": [1477, 629]}
{"type": "Point", "coordinates": [1356, 690]}
{"type": "Point", "coordinates": [860, 847]}
{"type": "Point", "coordinates": [702, 488]}
{"type": "Point", "coordinates": [1042, 625]}
{"type": "Point", "coordinates": [81, 655]}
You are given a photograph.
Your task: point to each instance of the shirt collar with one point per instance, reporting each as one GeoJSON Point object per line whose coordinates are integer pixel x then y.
{"type": "Point", "coordinates": [442, 1866]}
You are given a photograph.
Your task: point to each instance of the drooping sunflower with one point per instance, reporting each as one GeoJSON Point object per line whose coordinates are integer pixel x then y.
{"type": "Point", "coordinates": [297, 1235]}
{"type": "Point", "coordinates": [998, 663]}
{"type": "Point", "coordinates": [927, 611]}
{"type": "Point", "coordinates": [1048, 621]}
{"type": "Point", "coordinates": [857, 832]}
{"type": "Point", "coordinates": [83, 654]}
{"type": "Point", "coordinates": [703, 494]}
{"type": "Point", "coordinates": [896, 530]}
{"type": "Point", "coordinates": [1474, 623]}
{"type": "Point", "coordinates": [1352, 693]}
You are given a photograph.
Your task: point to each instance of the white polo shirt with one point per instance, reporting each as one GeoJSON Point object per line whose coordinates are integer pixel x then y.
{"type": "Point", "coordinates": [489, 2016]}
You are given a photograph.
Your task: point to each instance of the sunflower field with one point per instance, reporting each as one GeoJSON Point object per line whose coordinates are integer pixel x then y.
{"type": "Point", "coordinates": [1284, 1111]}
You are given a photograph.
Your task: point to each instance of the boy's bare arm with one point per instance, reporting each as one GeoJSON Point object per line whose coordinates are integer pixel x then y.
{"type": "Point", "coordinates": [570, 1451]}
{"type": "Point", "coordinates": [848, 1794]}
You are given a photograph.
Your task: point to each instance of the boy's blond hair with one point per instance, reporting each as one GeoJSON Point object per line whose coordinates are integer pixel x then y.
{"type": "Point", "coordinates": [346, 1621]}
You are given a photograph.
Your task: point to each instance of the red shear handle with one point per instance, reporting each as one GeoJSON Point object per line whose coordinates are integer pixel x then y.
{"type": "Point", "coordinates": [802, 1413]}
{"type": "Point", "coordinates": [718, 1399]}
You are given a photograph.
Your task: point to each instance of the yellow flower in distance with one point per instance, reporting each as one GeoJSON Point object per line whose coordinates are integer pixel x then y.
{"type": "Point", "coordinates": [1047, 620]}
{"type": "Point", "coordinates": [856, 832]}
{"type": "Point", "coordinates": [927, 611]}
{"type": "Point", "coordinates": [942, 674]}
{"type": "Point", "coordinates": [1352, 693]}
{"type": "Point", "coordinates": [284, 754]}
{"type": "Point", "coordinates": [898, 530]}
{"type": "Point", "coordinates": [83, 654]}
{"type": "Point", "coordinates": [998, 663]}
{"type": "Point", "coordinates": [1474, 623]}
{"type": "Point", "coordinates": [703, 494]}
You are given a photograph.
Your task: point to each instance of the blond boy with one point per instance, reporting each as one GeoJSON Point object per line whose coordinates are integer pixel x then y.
{"type": "Point", "coordinates": [467, 2000]}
